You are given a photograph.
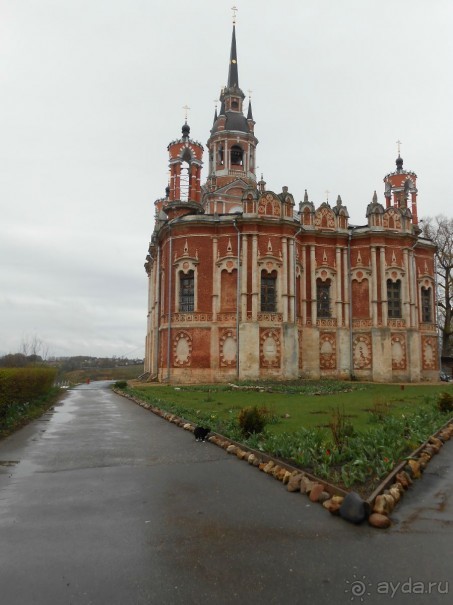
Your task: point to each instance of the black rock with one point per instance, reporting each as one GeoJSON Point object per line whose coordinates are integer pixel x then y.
{"type": "Point", "coordinates": [353, 508]}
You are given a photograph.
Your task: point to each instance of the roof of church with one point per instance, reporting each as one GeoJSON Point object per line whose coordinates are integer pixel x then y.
{"type": "Point", "coordinates": [236, 121]}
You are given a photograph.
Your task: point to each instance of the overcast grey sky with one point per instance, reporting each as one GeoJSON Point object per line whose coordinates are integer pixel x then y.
{"type": "Point", "coordinates": [91, 93]}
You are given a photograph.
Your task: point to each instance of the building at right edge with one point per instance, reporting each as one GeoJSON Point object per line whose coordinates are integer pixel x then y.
{"type": "Point", "coordinates": [244, 286]}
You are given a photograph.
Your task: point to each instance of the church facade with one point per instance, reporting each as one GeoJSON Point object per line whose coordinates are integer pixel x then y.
{"type": "Point", "coordinates": [245, 286]}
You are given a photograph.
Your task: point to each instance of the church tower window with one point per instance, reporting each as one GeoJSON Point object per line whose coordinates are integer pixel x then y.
{"type": "Point", "coordinates": [394, 298]}
{"type": "Point", "coordinates": [236, 155]}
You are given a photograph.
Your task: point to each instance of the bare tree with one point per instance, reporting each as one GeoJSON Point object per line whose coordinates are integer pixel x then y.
{"type": "Point", "coordinates": [34, 348]}
{"type": "Point", "coordinates": [440, 231]}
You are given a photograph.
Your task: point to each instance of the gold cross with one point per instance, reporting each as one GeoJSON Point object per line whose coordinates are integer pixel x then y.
{"type": "Point", "coordinates": [235, 10]}
{"type": "Point", "coordinates": [398, 143]}
{"type": "Point", "coordinates": [186, 111]}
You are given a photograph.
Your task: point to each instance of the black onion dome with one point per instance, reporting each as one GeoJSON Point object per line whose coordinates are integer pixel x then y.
{"type": "Point", "coordinates": [185, 131]}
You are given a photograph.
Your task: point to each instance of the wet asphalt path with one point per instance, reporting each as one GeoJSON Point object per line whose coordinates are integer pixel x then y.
{"type": "Point", "coordinates": [101, 502]}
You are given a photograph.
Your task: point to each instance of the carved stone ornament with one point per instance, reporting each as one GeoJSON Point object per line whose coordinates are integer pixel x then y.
{"type": "Point", "coordinates": [429, 349]}
{"type": "Point", "coordinates": [324, 218]}
{"type": "Point", "coordinates": [398, 352]}
{"type": "Point", "coordinates": [327, 352]}
{"type": "Point", "coordinates": [182, 349]}
{"type": "Point", "coordinates": [227, 349]}
{"type": "Point", "coordinates": [362, 352]}
{"type": "Point", "coordinates": [270, 348]}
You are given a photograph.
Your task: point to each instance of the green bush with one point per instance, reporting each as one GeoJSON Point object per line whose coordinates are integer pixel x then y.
{"type": "Point", "coordinates": [20, 385]}
{"type": "Point", "coordinates": [120, 384]}
{"type": "Point", "coordinates": [252, 420]}
{"type": "Point", "coordinates": [445, 402]}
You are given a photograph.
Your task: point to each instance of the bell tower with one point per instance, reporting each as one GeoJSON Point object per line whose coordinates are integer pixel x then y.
{"type": "Point", "coordinates": [401, 188]}
{"type": "Point", "coordinates": [185, 168]}
{"type": "Point", "coordinates": [183, 193]}
{"type": "Point", "coordinates": [231, 146]}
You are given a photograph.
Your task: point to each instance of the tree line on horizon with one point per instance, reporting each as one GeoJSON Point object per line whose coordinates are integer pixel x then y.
{"type": "Point", "coordinates": [75, 362]}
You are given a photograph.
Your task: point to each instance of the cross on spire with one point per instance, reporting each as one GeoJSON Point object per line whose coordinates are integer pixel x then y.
{"type": "Point", "coordinates": [399, 144]}
{"type": "Point", "coordinates": [235, 10]}
{"type": "Point", "coordinates": [186, 112]}
{"type": "Point", "coordinates": [327, 195]}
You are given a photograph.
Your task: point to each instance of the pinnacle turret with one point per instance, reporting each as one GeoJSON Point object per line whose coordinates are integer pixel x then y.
{"type": "Point", "coordinates": [249, 112]}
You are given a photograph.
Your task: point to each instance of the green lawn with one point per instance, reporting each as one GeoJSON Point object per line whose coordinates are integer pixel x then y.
{"type": "Point", "coordinates": [307, 404]}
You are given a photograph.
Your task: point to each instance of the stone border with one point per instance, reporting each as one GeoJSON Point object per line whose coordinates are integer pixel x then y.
{"type": "Point", "coordinates": [349, 505]}
{"type": "Point", "coordinates": [387, 495]}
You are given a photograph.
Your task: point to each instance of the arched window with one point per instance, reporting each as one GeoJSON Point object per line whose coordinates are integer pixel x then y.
{"type": "Point", "coordinates": [269, 292]}
{"type": "Point", "coordinates": [186, 291]}
{"type": "Point", "coordinates": [185, 181]}
{"type": "Point", "coordinates": [236, 155]}
{"type": "Point", "coordinates": [427, 315]}
{"type": "Point", "coordinates": [394, 298]}
{"type": "Point", "coordinates": [323, 298]}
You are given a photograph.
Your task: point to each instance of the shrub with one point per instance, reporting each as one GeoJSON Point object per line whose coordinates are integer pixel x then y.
{"type": "Point", "coordinates": [19, 385]}
{"type": "Point", "coordinates": [341, 428]}
{"type": "Point", "coordinates": [252, 420]}
{"type": "Point", "coordinates": [120, 384]}
{"type": "Point", "coordinates": [445, 403]}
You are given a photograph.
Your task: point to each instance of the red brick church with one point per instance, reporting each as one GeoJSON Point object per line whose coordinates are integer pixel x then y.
{"type": "Point", "coordinates": [244, 285]}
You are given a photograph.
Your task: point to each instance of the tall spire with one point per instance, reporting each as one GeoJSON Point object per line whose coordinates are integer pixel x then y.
{"type": "Point", "coordinates": [233, 76]}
